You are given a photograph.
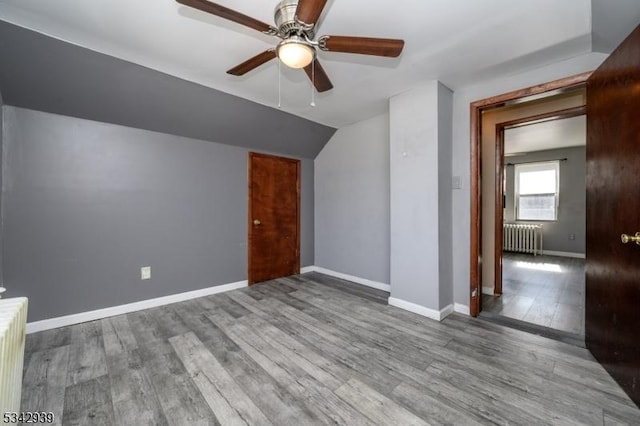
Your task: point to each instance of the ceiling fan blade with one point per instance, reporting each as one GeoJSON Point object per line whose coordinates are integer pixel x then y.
{"type": "Point", "coordinates": [362, 45]}
{"type": "Point", "coordinates": [308, 11]}
{"type": "Point", "coordinates": [318, 76]}
{"type": "Point", "coordinates": [253, 63]}
{"type": "Point", "coordinates": [226, 13]}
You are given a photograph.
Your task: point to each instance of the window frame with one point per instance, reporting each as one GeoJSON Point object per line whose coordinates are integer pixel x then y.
{"type": "Point", "coordinates": [536, 167]}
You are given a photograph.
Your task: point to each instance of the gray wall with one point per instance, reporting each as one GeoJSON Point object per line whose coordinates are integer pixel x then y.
{"type": "Point", "coordinates": [1, 168]}
{"type": "Point", "coordinates": [45, 74]}
{"type": "Point", "coordinates": [571, 203]}
{"type": "Point", "coordinates": [420, 166]}
{"type": "Point", "coordinates": [352, 201]}
{"type": "Point", "coordinates": [87, 204]}
{"type": "Point", "coordinates": [414, 196]}
{"type": "Point", "coordinates": [445, 221]}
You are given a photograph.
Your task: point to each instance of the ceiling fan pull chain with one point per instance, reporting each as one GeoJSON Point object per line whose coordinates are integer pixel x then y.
{"type": "Point", "coordinates": [313, 82]}
{"type": "Point", "coordinates": [279, 91]}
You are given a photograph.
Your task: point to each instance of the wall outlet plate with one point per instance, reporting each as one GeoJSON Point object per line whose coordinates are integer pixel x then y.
{"type": "Point", "coordinates": [145, 273]}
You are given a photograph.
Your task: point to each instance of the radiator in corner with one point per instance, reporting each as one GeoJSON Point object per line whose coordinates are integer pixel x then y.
{"type": "Point", "coordinates": [13, 319]}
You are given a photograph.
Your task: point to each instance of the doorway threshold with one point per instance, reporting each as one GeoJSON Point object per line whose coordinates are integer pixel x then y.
{"type": "Point", "coordinates": [550, 333]}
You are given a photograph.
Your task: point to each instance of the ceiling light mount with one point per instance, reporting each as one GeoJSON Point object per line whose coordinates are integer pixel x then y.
{"type": "Point", "coordinates": [288, 23]}
{"type": "Point", "coordinates": [296, 52]}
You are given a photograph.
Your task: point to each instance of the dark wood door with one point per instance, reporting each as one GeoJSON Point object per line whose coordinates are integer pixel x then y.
{"type": "Point", "coordinates": [274, 217]}
{"type": "Point", "coordinates": [613, 208]}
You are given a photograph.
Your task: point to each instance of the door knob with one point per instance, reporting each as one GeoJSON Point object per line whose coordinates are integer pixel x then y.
{"type": "Point", "coordinates": [630, 238]}
{"type": "Point", "coordinates": [256, 222]}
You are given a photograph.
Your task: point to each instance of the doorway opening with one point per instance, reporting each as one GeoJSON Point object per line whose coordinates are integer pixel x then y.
{"type": "Point", "coordinates": [540, 220]}
{"type": "Point", "coordinates": [499, 125]}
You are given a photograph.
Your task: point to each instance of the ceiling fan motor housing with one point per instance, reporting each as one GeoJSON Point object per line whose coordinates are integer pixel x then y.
{"type": "Point", "coordinates": [285, 19]}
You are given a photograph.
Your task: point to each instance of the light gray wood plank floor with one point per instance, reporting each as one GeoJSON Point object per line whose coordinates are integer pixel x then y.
{"type": "Point", "coordinates": [543, 290]}
{"type": "Point", "coordinates": [312, 349]}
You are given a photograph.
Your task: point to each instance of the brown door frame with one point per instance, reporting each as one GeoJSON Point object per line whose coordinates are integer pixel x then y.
{"type": "Point", "coordinates": [499, 153]}
{"type": "Point", "coordinates": [250, 212]}
{"type": "Point", "coordinates": [477, 108]}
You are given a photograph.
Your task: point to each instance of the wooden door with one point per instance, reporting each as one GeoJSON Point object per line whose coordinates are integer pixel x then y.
{"type": "Point", "coordinates": [613, 208]}
{"type": "Point", "coordinates": [274, 217]}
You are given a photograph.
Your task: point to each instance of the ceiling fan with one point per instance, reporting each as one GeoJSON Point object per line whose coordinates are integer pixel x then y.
{"type": "Point", "coordinates": [295, 26]}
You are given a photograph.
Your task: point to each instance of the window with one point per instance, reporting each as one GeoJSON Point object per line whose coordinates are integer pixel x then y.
{"type": "Point", "coordinates": [537, 187]}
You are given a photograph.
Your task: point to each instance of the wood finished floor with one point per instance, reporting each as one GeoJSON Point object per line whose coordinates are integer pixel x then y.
{"type": "Point", "coordinates": [542, 290]}
{"type": "Point", "coordinates": [308, 350]}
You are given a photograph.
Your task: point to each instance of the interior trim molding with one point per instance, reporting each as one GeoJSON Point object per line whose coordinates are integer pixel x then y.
{"type": "Point", "coordinates": [438, 315]}
{"type": "Point", "coordinates": [358, 280]}
{"type": "Point", "coordinates": [461, 309]}
{"type": "Point", "coordinates": [564, 254]}
{"type": "Point", "coordinates": [487, 290]}
{"type": "Point", "coordinates": [476, 109]}
{"type": "Point", "coordinates": [421, 310]}
{"type": "Point", "coordinates": [63, 321]}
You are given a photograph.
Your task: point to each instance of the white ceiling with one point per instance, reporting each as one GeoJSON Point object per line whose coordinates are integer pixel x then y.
{"type": "Point", "coordinates": [554, 134]}
{"type": "Point", "coordinates": [454, 41]}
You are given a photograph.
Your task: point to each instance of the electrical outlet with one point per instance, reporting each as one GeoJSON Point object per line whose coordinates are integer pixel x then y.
{"type": "Point", "coordinates": [145, 273]}
{"type": "Point", "coordinates": [572, 237]}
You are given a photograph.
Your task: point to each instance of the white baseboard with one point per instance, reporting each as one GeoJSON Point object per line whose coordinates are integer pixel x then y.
{"type": "Point", "coordinates": [461, 309]}
{"type": "Point", "coordinates": [363, 281]}
{"type": "Point", "coordinates": [446, 311]}
{"type": "Point", "coordinates": [488, 290]}
{"type": "Point", "coordinates": [564, 254]}
{"type": "Point", "coordinates": [421, 310]}
{"type": "Point", "coordinates": [47, 324]}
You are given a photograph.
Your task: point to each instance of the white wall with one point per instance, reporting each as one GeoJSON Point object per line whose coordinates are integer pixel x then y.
{"type": "Point", "coordinates": [352, 201]}
{"type": "Point", "coordinates": [462, 154]}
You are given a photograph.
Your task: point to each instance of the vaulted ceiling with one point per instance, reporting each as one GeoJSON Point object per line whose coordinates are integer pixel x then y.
{"type": "Point", "coordinates": [45, 74]}
{"type": "Point", "coordinates": [458, 42]}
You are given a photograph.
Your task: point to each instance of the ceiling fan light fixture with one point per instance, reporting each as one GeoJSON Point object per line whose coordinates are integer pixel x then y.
{"type": "Point", "coordinates": [295, 52]}
{"type": "Point", "coordinates": [296, 23]}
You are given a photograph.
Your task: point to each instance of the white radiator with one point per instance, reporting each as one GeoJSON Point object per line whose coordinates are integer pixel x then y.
{"type": "Point", "coordinates": [522, 238]}
{"type": "Point", "coordinates": [13, 319]}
